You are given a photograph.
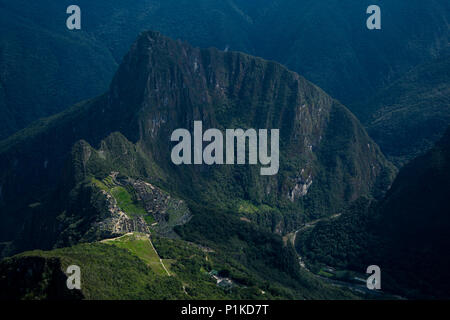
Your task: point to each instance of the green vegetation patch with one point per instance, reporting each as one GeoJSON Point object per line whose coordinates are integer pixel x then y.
{"type": "Point", "coordinates": [111, 272]}
{"type": "Point", "coordinates": [126, 202]}
{"type": "Point", "coordinates": [140, 245]}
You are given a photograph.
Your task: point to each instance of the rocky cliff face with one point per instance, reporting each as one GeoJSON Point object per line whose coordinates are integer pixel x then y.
{"type": "Point", "coordinates": [326, 158]}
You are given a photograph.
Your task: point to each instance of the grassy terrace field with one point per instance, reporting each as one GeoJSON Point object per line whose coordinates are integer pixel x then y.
{"type": "Point", "coordinates": [141, 246]}
{"type": "Point", "coordinates": [126, 202]}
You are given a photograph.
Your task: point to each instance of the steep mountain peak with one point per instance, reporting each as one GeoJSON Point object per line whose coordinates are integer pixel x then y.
{"type": "Point", "coordinates": [326, 158]}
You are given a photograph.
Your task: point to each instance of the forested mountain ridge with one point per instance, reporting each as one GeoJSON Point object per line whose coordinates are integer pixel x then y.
{"type": "Point", "coordinates": [406, 233]}
{"type": "Point", "coordinates": [326, 157]}
{"type": "Point", "coordinates": [407, 117]}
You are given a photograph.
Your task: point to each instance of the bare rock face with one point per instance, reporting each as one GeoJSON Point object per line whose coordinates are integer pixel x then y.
{"type": "Point", "coordinates": [300, 189]}
{"type": "Point", "coordinates": [302, 184]}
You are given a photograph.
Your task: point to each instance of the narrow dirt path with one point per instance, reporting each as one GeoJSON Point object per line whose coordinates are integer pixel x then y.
{"type": "Point", "coordinates": [160, 260]}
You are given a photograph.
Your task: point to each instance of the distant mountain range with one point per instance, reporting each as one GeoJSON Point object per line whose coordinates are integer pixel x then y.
{"type": "Point", "coordinates": [46, 67]}
{"type": "Point", "coordinates": [411, 114]}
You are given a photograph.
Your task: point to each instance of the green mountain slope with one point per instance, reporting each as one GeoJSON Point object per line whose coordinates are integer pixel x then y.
{"type": "Point", "coordinates": [120, 269]}
{"type": "Point", "coordinates": [43, 71]}
{"type": "Point", "coordinates": [406, 233]}
{"type": "Point", "coordinates": [411, 114]}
